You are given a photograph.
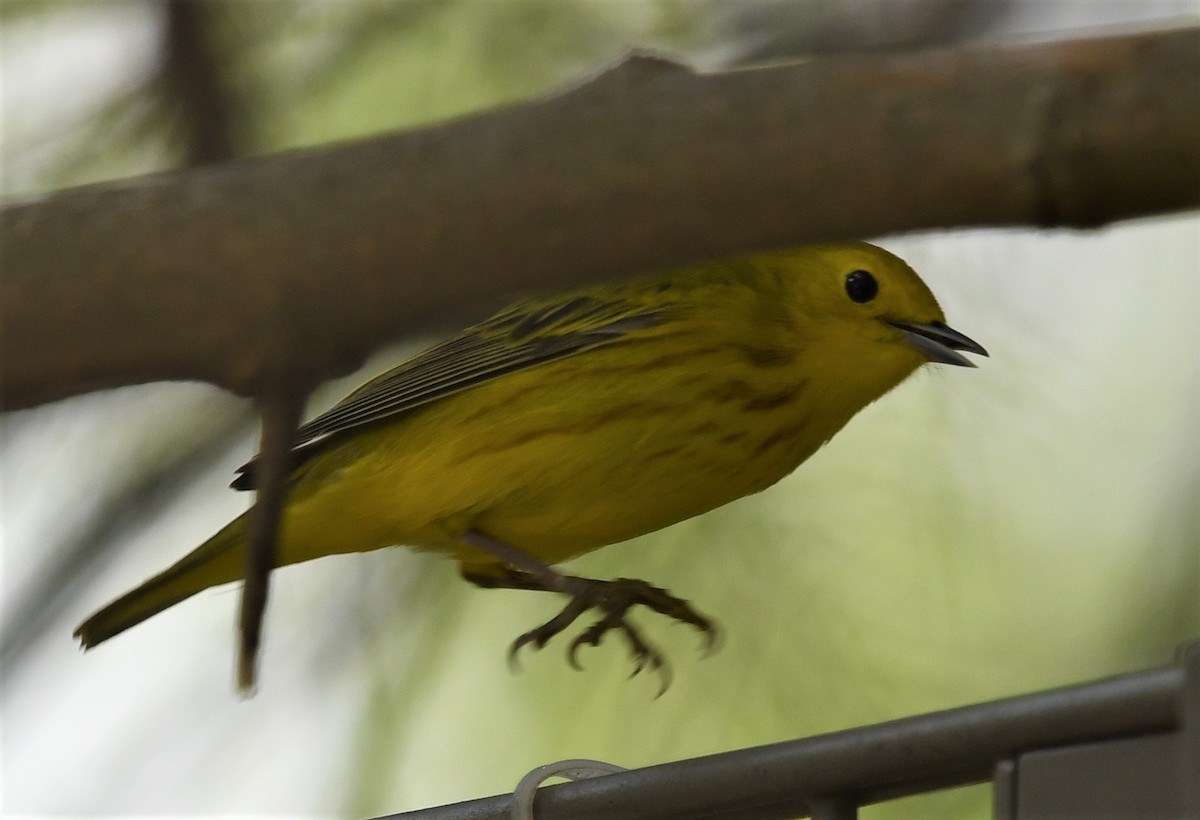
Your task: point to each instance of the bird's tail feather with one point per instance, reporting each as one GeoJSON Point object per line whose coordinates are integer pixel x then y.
{"type": "Point", "coordinates": [218, 560]}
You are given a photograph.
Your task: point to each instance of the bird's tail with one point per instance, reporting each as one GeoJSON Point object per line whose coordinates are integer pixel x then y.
{"type": "Point", "coordinates": [218, 560]}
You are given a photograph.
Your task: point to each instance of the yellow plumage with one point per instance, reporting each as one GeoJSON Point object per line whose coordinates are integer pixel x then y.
{"type": "Point", "coordinates": [564, 424]}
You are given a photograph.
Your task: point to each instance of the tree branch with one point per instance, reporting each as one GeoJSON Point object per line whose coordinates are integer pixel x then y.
{"type": "Point", "coordinates": [290, 269]}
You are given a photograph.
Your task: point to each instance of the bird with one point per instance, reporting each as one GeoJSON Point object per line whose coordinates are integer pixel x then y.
{"type": "Point", "coordinates": [569, 422]}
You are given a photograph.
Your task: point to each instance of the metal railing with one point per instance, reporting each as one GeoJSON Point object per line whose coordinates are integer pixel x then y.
{"type": "Point", "coordinates": [1137, 736]}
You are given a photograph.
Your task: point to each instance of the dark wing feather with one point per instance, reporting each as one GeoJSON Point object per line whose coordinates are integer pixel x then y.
{"type": "Point", "coordinates": [521, 337]}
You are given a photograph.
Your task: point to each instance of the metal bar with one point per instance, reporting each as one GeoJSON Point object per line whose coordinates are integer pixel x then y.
{"type": "Point", "coordinates": [1004, 791]}
{"type": "Point", "coordinates": [836, 808]}
{"type": "Point", "coordinates": [956, 747]}
{"type": "Point", "coordinates": [1189, 697]}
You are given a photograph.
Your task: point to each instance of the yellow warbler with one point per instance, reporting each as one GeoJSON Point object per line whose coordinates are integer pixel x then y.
{"type": "Point", "coordinates": [567, 423]}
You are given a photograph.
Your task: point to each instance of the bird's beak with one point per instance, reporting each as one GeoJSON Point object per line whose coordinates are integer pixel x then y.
{"type": "Point", "coordinates": [939, 343]}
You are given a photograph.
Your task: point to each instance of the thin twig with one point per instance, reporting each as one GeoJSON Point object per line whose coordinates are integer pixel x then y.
{"type": "Point", "coordinates": [193, 78]}
{"type": "Point", "coordinates": [280, 409]}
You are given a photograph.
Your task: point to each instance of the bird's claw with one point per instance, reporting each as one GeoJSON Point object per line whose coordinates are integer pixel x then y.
{"type": "Point", "coordinates": [615, 598]}
{"type": "Point", "coordinates": [514, 649]}
{"type": "Point", "coordinates": [540, 636]}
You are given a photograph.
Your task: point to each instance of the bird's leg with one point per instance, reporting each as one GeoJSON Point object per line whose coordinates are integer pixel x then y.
{"type": "Point", "coordinates": [613, 598]}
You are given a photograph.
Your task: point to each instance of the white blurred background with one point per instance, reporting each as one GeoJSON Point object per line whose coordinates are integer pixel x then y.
{"type": "Point", "coordinates": [973, 535]}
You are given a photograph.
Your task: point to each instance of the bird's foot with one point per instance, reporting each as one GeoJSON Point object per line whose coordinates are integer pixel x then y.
{"type": "Point", "coordinates": [614, 599]}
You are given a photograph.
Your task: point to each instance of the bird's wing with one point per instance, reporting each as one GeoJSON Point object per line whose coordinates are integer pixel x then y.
{"type": "Point", "coordinates": [518, 338]}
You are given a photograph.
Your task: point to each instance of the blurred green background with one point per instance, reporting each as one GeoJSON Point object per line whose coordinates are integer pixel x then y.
{"type": "Point", "coordinates": [973, 535]}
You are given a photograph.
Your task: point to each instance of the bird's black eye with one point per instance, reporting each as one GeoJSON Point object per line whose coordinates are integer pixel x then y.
{"type": "Point", "coordinates": [861, 286]}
